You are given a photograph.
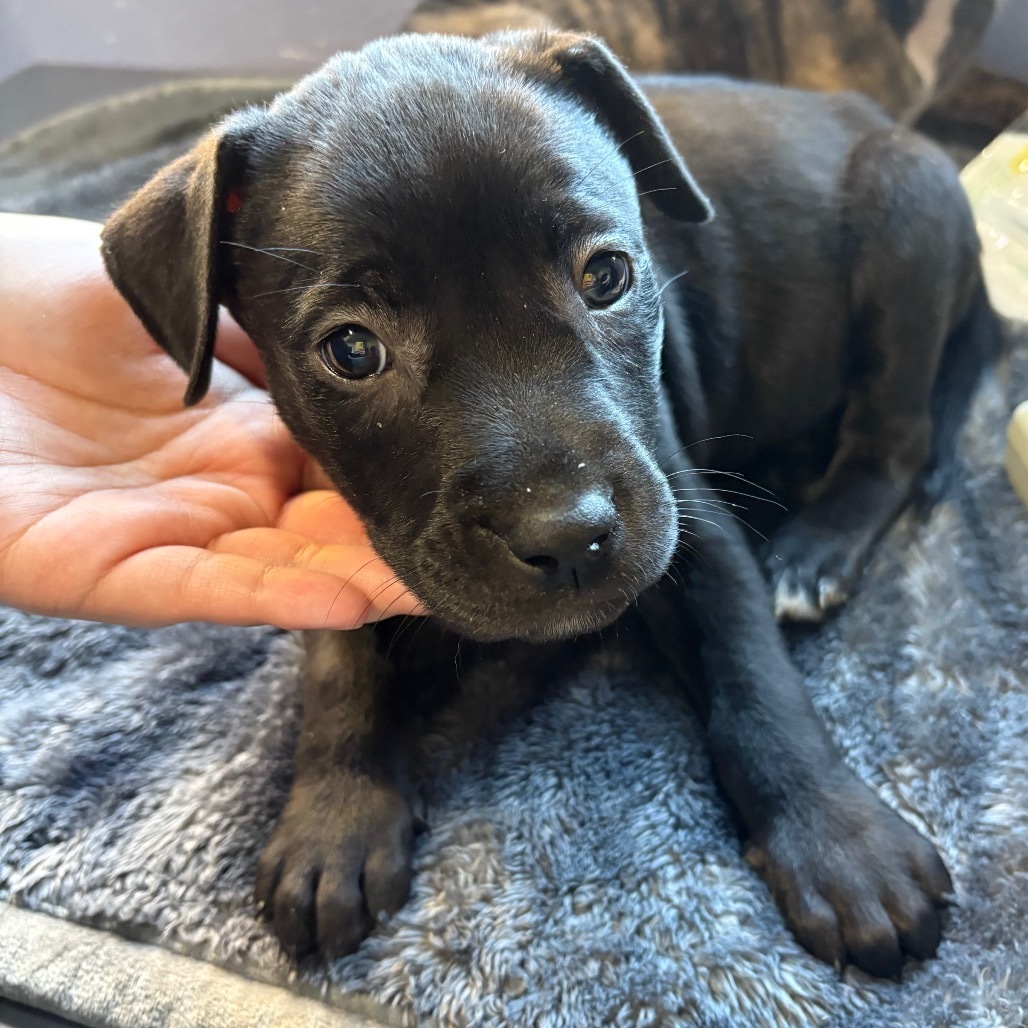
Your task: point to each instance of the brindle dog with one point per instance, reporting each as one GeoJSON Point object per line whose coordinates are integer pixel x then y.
{"type": "Point", "coordinates": [903, 53]}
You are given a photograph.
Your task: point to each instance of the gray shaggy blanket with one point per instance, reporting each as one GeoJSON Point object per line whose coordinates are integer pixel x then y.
{"type": "Point", "coordinates": [581, 868]}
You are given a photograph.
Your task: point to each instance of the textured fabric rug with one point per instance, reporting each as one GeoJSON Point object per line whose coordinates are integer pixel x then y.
{"type": "Point", "coordinates": [83, 163]}
{"type": "Point", "coordinates": [581, 869]}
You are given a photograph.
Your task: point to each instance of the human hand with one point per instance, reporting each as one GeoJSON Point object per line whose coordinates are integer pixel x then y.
{"type": "Point", "coordinates": [117, 504]}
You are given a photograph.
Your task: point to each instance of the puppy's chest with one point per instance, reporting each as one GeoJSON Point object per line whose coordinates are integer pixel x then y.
{"type": "Point", "coordinates": [433, 666]}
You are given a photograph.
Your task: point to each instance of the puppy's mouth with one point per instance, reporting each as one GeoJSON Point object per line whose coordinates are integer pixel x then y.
{"type": "Point", "coordinates": [541, 585]}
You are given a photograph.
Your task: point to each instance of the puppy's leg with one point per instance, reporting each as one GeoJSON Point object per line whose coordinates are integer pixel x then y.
{"type": "Point", "coordinates": [341, 852]}
{"type": "Point", "coordinates": [855, 882]}
{"type": "Point", "coordinates": [913, 273]}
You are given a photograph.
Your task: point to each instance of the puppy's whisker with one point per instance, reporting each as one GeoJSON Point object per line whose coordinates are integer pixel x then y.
{"type": "Point", "coordinates": [755, 531]}
{"type": "Point", "coordinates": [617, 149]}
{"type": "Point", "coordinates": [326, 500]}
{"type": "Point", "coordinates": [687, 545]}
{"type": "Point", "coordinates": [659, 189]}
{"type": "Point", "coordinates": [310, 285]}
{"type": "Point", "coordinates": [729, 492]}
{"type": "Point", "coordinates": [407, 621]}
{"type": "Point", "coordinates": [706, 501]}
{"type": "Point", "coordinates": [706, 439]}
{"type": "Point", "coordinates": [728, 474]}
{"type": "Point", "coordinates": [706, 521]}
{"type": "Point", "coordinates": [396, 599]}
{"type": "Point", "coordinates": [332, 605]}
{"type": "Point", "coordinates": [345, 585]}
{"type": "Point", "coordinates": [406, 586]}
{"type": "Point", "coordinates": [685, 515]}
{"type": "Point", "coordinates": [715, 438]}
{"type": "Point", "coordinates": [673, 453]}
{"type": "Point", "coordinates": [375, 595]}
{"type": "Point", "coordinates": [717, 506]}
{"type": "Point", "coordinates": [705, 495]}
{"type": "Point", "coordinates": [650, 167]}
{"type": "Point", "coordinates": [682, 530]}
{"type": "Point", "coordinates": [291, 249]}
{"type": "Point", "coordinates": [660, 292]}
{"type": "Point", "coordinates": [672, 573]}
{"type": "Point", "coordinates": [268, 253]}
{"type": "Point", "coordinates": [713, 497]}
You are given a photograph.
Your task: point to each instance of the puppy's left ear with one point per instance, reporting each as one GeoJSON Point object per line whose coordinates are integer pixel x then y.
{"type": "Point", "coordinates": [161, 247]}
{"type": "Point", "coordinates": [590, 71]}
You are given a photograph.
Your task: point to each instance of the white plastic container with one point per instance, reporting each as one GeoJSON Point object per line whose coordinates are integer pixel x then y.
{"type": "Point", "coordinates": [997, 183]}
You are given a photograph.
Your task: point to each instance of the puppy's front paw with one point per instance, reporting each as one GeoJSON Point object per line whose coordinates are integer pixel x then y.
{"type": "Point", "coordinates": [811, 570]}
{"type": "Point", "coordinates": [339, 858]}
{"type": "Point", "coordinates": [855, 882]}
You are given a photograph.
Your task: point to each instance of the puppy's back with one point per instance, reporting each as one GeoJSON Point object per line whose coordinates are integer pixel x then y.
{"type": "Point", "coordinates": [739, 138]}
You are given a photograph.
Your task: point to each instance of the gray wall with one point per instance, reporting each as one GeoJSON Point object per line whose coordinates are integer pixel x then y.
{"type": "Point", "coordinates": [1005, 47]}
{"type": "Point", "coordinates": [268, 35]}
{"type": "Point", "coordinates": [272, 35]}
{"type": "Point", "coordinates": [55, 54]}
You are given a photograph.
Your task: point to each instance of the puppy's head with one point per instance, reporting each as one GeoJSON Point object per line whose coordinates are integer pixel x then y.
{"type": "Point", "coordinates": [436, 245]}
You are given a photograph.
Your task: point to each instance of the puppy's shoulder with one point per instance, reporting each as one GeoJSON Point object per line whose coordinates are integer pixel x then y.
{"type": "Point", "coordinates": [745, 135]}
{"type": "Point", "coordinates": [709, 107]}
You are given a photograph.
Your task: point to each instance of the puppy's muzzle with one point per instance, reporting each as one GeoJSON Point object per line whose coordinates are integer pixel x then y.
{"type": "Point", "coordinates": [561, 538]}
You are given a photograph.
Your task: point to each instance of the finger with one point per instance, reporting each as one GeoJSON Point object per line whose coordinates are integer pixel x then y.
{"type": "Point", "coordinates": [358, 566]}
{"type": "Point", "coordinates": [200, 585]}
{"type": "Point", "coordinates": [236, 349]}
{"type": "Point", "coordinates": [291, 549]}
{"type": "Point", "coordinates": [323, 516]}
{"type": "Point", "coordinates": [314, 476]}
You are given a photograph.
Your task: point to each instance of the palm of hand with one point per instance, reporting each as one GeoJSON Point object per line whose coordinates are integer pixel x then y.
{"type": "Point", "coordinates": [118, 504]}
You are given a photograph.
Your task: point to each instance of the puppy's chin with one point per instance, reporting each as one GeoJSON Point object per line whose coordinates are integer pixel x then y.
{"type": "Point", "coordinates": [551, 623]}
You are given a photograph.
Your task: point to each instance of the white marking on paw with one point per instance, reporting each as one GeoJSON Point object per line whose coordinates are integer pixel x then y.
{"type": "Point", "coordinates": [794, 604]}
{"type": "Point", "coordinates": [830, 594]}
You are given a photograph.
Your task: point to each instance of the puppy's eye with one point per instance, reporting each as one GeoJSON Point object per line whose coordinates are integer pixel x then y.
{"type": "Point", "coordinates": [606, 278]}
{"type": "Point", "coordinates": [354, 352]}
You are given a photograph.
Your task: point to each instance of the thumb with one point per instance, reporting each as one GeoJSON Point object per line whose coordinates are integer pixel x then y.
{"type": "Point", "coordinates": [314, 476]}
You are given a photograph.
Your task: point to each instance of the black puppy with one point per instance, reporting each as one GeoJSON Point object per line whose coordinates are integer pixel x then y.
{"type": "Point", "coordinates": [492, 302]}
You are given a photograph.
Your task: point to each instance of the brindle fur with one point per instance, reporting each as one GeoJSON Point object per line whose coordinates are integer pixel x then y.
{"type": "Point", "coordinates": [864, 45]}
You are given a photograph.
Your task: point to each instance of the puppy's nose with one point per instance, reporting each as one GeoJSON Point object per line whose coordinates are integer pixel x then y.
{"type": "Point", "coordinates": [570, 541]}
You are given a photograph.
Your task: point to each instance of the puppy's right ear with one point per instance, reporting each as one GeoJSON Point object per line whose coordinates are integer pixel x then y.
{"type": "Point", "coordinates": [161, 247]}
{"type": "Point", "coordinates": [588, 69]}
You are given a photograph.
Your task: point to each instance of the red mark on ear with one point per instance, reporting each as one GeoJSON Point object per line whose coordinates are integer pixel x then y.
{"type": "Point", "coordinates": [233, 201]}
